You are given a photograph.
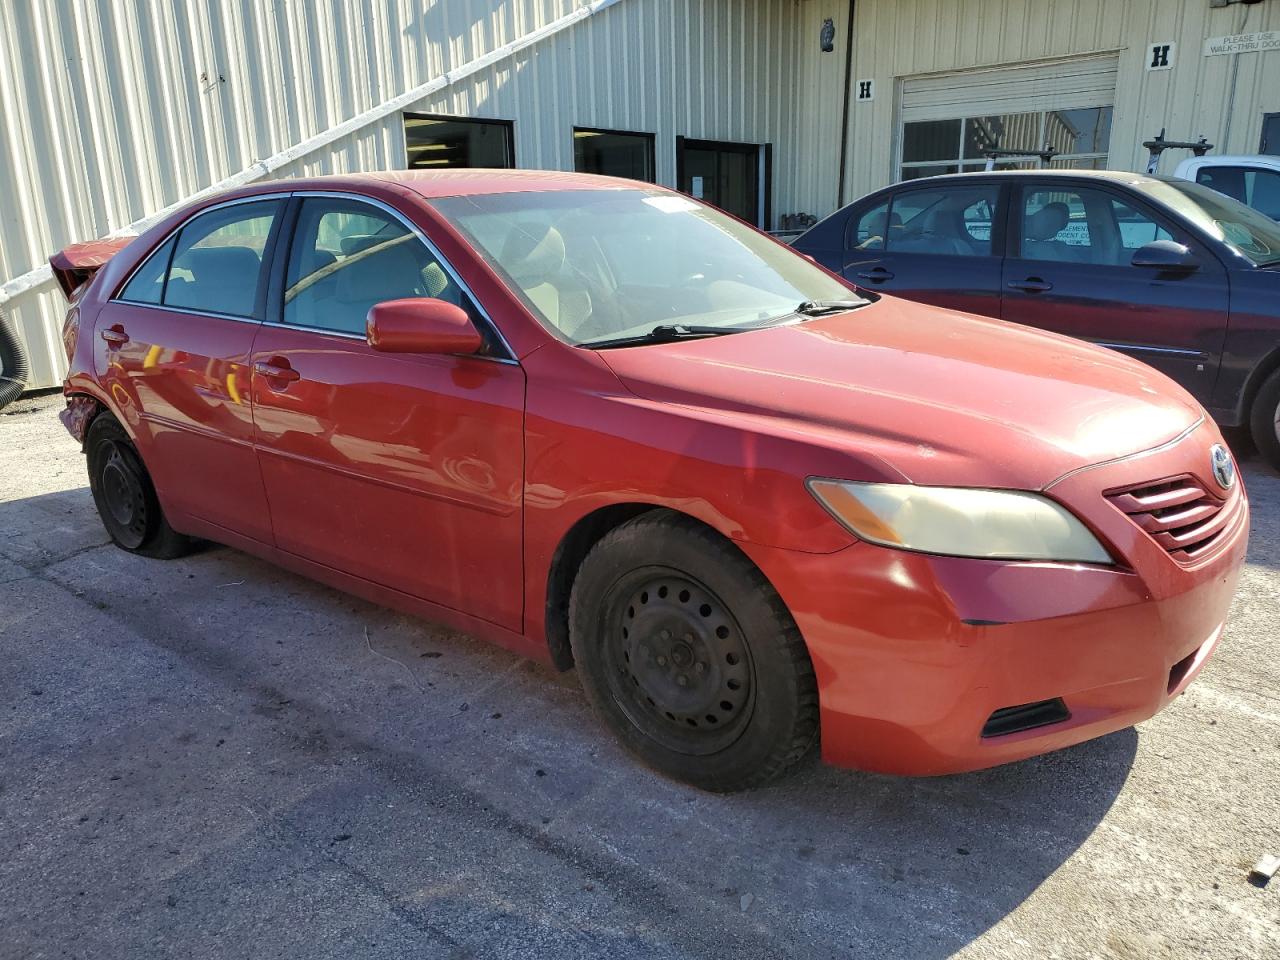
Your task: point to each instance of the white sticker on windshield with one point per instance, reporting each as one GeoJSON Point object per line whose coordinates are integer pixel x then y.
{"type": "Point", "coordinates": [671, 204]}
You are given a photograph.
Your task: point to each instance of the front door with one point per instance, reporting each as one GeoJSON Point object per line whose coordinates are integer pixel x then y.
{"type": "Point", "coordinates": [731, 176]}
{"type": "Point", "coordinates": [174, 353]}
{"type": "Point", "coordinates": [402, 469]}
{"type": "Point", "coordinates": [1070, 271]}
{"type": "Point", "coordinates": [938, 245]}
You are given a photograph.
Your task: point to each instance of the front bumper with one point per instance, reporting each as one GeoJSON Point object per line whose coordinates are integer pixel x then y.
{"type": "Point", "coordinates": [914, 653]}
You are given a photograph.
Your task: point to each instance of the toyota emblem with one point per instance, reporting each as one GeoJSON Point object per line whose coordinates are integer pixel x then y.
{"type": "Point", "coordinates": [1224, 470]}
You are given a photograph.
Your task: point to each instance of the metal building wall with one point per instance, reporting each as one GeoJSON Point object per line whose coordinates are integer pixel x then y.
{"type": "Point", "coordinates": [112, 111]}
{"type": "Point", "coordinates": [1222, 97]}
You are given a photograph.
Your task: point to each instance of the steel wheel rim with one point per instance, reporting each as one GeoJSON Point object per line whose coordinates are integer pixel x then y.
{"type": "Point", "coordinates": [677, 661]}
{"type": "Point", "coordinates": [123, 495]}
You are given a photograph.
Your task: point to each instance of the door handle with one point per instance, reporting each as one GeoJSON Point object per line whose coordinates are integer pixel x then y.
{"type": "Point", "coordinates": [115, 335]}
{"type": "Point", "coordinates": [275, 371]}
{"type": "Point", "coordinates": [876, 275]}
{"type": "Point", "coordinates": [1031, 285]}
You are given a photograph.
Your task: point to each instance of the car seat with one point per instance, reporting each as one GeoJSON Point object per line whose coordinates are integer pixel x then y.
{"type": "Point", "coordinates": [534, 256]}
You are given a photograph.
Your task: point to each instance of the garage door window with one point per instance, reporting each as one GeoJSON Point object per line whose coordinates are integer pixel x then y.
{"type": "Point", "coordinates": [1079, 138]}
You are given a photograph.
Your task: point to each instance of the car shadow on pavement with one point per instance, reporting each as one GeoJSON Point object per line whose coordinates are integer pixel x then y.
{"type": "Point", "coordinates": [927, 865]}
{"type": "Point", "coordinates": [427, 788]}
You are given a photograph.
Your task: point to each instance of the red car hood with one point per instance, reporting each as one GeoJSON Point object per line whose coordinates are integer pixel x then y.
{"type": "Point", "coordinates": [923, 394]}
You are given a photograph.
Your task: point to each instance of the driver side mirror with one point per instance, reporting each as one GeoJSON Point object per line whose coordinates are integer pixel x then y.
{"type": "Point", "coordinates": [1165, 256]}
{"type": "Point", "coordinates": [421, 325]}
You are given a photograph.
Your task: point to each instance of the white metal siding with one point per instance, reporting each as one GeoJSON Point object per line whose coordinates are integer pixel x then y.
{"type": "Point", "coordinates": [1024, 88]}
{"type": "Point", "coordinates": [112, 112]}
{"type": "Point", "coordinates": [1222, 98]}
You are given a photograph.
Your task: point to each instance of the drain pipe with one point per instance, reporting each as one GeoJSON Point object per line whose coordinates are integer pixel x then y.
{"type": "Point", "coordinates": [15, 367]}
{"type": "Point", "coordinates": [844, 112]}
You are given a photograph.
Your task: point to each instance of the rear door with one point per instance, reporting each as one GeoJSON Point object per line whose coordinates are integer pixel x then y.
{"type": "Point", "coordinates": [174, 351]}
{"type": "Point", "coordinates": [937, 244]}
{"type": "Point", "coordinates": [1069, 271]}
{"type": "Point", "coordinates": [403, 469]}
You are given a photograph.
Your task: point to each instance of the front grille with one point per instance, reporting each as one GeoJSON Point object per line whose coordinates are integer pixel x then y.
{"type": "Point", "coordinates": [1179, 514]}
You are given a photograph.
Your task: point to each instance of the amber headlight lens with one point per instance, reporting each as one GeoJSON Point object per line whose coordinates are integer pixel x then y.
{"type": "Point", "coordinates": [960, 522]}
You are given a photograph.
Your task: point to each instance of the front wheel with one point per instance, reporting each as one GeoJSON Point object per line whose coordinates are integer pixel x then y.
{"type": "Point", "coordinates": [124, 495]}
{"type": "Point", "coordinates": [689, 655]}
{"type": "Point", "coordinates": [1264, 420]}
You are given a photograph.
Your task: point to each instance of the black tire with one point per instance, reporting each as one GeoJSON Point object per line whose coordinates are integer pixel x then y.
{"type": "Point", "coordinates": [1264, 420]}
{"type": "Point", "coordinates": [124, 495]}
{"type": "Point", "coordinates": [690, 656]}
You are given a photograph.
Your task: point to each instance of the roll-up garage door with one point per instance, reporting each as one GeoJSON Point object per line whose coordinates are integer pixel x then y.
{"type": "Point", "coordinates": [1023, 88]}
{"type": "Point", "coordinates": [952, 122]}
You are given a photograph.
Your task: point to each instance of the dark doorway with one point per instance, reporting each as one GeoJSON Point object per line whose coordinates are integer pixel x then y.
{"type": "Point", "coordinates": [1270, 134]}
{"type": "Point", "coordinates": [733, 176]}
{"type": "Point", "coordinates": [436, 143]}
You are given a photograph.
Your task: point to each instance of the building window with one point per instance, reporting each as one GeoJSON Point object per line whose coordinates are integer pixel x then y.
{"type": "Point", "coordinates": [1080, 139]}
{"type": "Point", "coordinates": [434, 143]}
{"type": "Point", "coordinates": [613, 153]}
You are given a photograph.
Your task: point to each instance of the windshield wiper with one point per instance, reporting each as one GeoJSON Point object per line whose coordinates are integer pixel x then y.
{"type": "Point", "coordinates": [665, 333]}
{"type": "Point", "coordinates": [815, 308]}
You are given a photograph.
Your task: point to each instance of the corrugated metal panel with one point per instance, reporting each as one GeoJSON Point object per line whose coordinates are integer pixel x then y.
{"type": "Point", "coordinates": [115, 111]}
{"type": "Point", "coordinates": [1026, 87]}
{"type": "Point", "coordinates": [1223, 98]}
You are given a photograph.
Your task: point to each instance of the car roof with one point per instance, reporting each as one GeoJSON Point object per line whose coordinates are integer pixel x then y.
{"type": "Point", "coordinates": [1112, 176]}
{"type": "Point", "coordinates": [466, 182]}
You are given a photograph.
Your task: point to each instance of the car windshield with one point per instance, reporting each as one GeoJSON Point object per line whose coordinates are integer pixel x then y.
{"type": "Point", "coordinates": [1253, 235]}
{"type": "Point", "coordinates": [605, 265]}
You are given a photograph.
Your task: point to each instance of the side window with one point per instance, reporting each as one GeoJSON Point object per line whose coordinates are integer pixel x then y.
{"type": "Point", "coordinates": [147, 283]}
{"type": "Point", "coordinates": [1259, 189]}
{"type": "Point", "coordinates": [217, 263]}
{"type": "Point", "coordinates": [1136, 228]}
{"type": "Point", "coordinates": [870, 231]}
{"type": "Point", "coordinates": [347, 256]}
{"type": "Point", "coordinates": [951, 221]}
{"type": "Point", "coordinates": [1056, 226]}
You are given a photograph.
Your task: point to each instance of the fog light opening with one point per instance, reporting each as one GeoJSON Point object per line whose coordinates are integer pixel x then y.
{"type": "Point", "coordinates": [1025, 716]}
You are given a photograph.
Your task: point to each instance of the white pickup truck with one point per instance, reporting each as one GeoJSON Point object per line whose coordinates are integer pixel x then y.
{"type": "Point", "coordinates": [1254, 180]}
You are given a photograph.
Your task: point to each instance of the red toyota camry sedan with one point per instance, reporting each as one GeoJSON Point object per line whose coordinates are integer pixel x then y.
{"type": "Point", "coordinates": [606, 425]}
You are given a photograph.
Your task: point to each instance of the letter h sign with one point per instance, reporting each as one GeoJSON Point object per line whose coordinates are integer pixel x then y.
{"type": "Point", "coordinates": [1160, 56]}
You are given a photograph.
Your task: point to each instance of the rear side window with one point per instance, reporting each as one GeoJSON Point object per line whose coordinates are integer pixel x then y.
{"type": "Point", "coordinates": [147, 283]}
{"type": "Point", "coordinates": [217, 263]}
{"type": "Point", "coordinates": [946, 221]}
{"type": "Point", "coordinates": [870, 230]}
{"type": "Point", "coordinates": [347, 256]}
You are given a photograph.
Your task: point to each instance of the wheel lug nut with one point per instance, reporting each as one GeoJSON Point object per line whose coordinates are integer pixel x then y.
{"type": "Point", "coordinates": [666, 634]}
{"type": "Point", "coordinates": [688, 638]}
{"type": "Point", "coordinates": [682, 680]}
{"type": "Point", "coordinates": [662, 661]}
{"type": "Point", "coordinates": [700, 666]}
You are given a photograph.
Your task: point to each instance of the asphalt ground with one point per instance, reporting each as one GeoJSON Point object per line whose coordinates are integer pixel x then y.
{"type": "Point", "coordinates": [211, 757]}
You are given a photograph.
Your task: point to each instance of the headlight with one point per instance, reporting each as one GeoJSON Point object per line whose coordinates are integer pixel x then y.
{"type": "Point", "coordinates": [960, 522]}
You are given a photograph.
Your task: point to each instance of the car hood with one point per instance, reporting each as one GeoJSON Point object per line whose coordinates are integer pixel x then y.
{"type": "Point", "coordinates": [922, 394]}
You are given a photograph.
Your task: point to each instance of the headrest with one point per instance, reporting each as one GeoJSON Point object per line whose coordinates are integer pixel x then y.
{"type": "Point", "coordinates": [940, 220]}
{"type": "Point", "coordinates": [237, 265]}
{"type": "Point", "coordinates": [357, 242]}
{"type": "Point", "coordinates": [386, 274]}
{"type": "Point", "coordinates": [533, 253]}
{"type": "Point", "coordinates": [1048, 221]}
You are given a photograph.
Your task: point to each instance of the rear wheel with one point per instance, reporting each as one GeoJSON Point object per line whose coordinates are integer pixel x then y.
{"type": "Point", "coordinates": [1264, 421]}
{"type": "Point", "coordinates": [690, 656]}
{"type": "Point", "coordinates": [124, 495]}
